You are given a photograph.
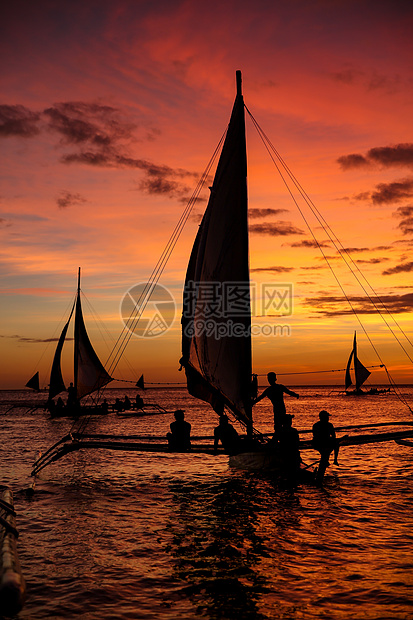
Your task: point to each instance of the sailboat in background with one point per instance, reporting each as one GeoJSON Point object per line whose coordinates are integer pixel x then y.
{"type": "Point", "coordinates": [34, 383]}
{"type": "Point", "coordinates": [89, 375]}
{"type": "Point", "coordinates": [361, 374]}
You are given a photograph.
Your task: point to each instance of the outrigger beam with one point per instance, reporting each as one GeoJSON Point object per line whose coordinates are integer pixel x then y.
{"type": "Point", "coordinates": [77, 441]}
{"type": "Point", "coordinates": [358, 440]}
{"type": "Point", "coordinates": [71, 444]}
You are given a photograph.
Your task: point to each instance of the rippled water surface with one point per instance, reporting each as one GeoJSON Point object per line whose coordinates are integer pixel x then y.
{"type": "Point", "coordinates": [112, 535]}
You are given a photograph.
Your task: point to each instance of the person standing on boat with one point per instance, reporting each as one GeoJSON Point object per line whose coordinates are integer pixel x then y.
{"type": "Point", "coordinates": [275, 392]}
{"type": "Point", "coordinates": [179, 439]}
{"type": "Point", "coordinates": [325, 442]}
{"type": "Point", "coordinates": [227, 434]}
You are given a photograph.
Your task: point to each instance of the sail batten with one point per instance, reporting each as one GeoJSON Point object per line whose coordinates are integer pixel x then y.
{"type": "Point", "coordinates": [216, 319]}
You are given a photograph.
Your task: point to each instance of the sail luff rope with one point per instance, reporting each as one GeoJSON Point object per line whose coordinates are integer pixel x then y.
{"type": "Point", "coordinates": [269, 146]}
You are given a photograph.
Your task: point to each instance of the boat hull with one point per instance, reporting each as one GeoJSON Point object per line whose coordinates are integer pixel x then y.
{"type": "Point", "coordinates": [267, 462]}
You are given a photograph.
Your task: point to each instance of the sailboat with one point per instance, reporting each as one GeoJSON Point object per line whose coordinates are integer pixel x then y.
{"type": "Point", "coordinates": [218, 359]}
{"type": "Point", "coordinates": [361, 374]}
{"type": "Point", "coordinates": [88, 371]}
{"type": "Point", "coordinates": [216, 327]}
{"type": "Point", "coordinates": [34, 383]}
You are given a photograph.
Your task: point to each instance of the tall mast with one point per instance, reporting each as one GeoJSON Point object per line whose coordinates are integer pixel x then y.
{"type": "Point", "coordinates": [239, 83]}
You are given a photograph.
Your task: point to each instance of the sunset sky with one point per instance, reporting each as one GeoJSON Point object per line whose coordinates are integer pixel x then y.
{"type": "Point", "coordinates": [110, 112]}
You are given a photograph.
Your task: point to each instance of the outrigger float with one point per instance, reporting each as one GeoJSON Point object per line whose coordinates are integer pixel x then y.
{"type": "Point", "coordinates": [12, 583]}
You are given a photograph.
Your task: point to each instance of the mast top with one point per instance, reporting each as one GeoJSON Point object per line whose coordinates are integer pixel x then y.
{"type": "Point", "coordinates": [239, 83]}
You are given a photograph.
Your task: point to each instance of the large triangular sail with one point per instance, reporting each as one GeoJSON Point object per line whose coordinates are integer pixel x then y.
{"type": "Point", "coordinates": [361, 373]}
{"type": "Point", "coordinates": [216, 318]}
{"type": "Point", "coordinates": [90, 375]}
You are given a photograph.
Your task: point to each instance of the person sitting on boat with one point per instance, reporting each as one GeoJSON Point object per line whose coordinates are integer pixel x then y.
{"type": "Point", "coordinates": [179, 439]}
{"type": "Point", "coordinates": [228, 436]}
{"type": "Point", "coordinates": [139, 401]}
{"type": "Point", "coordinates": [118, 406]}
{"type": "Point", "coordinates": [105, 406]}
{"type": "Point", "coordinates": [289, 451]}
{"type": "Point", "coordinates": [325, 442]}
{"type": "Point", "coordinates": [59, 404]}
{"type": "Point", "coordinates": [126, 403]}
{"type": "Point", "coordinates": [275, 392]}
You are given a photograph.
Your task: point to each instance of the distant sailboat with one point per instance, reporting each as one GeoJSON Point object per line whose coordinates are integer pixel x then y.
{"type": "Point", "coordinates": [34, 383]}
{"type": "Point", "coordinates": [361, 374]}
{"type": "Point", "coordinates": [89, 373]}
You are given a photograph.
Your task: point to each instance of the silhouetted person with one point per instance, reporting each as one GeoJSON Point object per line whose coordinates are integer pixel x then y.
{"type": "Point", "coordinates": [325, 442]}
{"type": "Point", "coordinates": [275, 392]}
{"type": "Point", "coordinates": [289, 448]}
{"type": "Point", "coordinates": [179, 439]}
{"type": "Point", "coordinates": [227, 434]}
{"type": "Point", "coordinates": [71, 395]}
{"type": "Point", "coordinates": [105, 406]}
{"type": "Point", "coordinates": [139, 401]}
{"type": "Point", "coordinates": [59, 405]}
{"type": "Point", "coordinates": [126, 403]}
{"type": "Point", "coordinates": [118, 406]}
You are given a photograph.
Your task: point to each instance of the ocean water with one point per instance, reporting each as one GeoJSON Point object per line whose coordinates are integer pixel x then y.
{"type": "Point", "coordinates": [110, 535]}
